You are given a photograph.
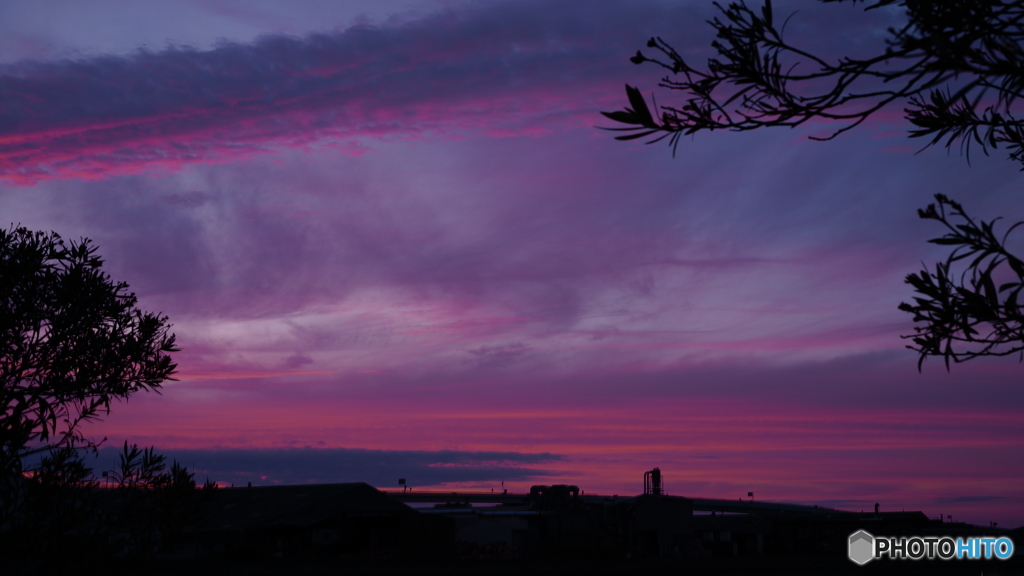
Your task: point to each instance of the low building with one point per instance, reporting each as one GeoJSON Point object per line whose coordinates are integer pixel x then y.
{"type": "Point", "coordinates": [352, 520]}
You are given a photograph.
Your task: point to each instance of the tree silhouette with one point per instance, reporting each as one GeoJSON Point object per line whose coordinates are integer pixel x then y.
{"type": "Point", "coordinates": [72, 342]}
{"type": "Point", "coordinates": [956, 67]}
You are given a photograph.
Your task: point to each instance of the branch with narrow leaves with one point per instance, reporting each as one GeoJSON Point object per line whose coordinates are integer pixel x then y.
{"type": "Point", "coordinates": [973, 48]}
{"type": "Point", "coordinates": [967, 315]}
{"type": "Point", "coordinates": [941, 117]}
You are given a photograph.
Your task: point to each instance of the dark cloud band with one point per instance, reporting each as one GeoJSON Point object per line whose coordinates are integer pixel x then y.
{"type": "Point", "coordinates": [380, 468]}
{"type": "Point", "coordinates": [505, 67]}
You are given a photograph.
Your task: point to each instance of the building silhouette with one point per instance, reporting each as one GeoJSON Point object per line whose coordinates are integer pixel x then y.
{"type": "Point", "coordinates": [357, 525]}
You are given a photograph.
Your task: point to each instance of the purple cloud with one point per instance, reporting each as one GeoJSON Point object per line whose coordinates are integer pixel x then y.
{"type": "Point", "coordinates": [501, 68]}
{"type": "Point", "coordinates": [381, 468]}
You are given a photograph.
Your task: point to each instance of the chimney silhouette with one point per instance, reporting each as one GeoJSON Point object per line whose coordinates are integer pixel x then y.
{"type": "Point", "coordinates": [652, 482]}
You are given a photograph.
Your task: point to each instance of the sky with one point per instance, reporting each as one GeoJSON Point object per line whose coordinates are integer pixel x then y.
{"type": "Point", "coordinates": [394, 242]}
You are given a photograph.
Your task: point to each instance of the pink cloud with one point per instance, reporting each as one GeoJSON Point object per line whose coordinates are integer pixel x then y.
{"type": "Point", "coordinates": [489, 70]}
{"type": "Point", "coordinates": [719, 448]}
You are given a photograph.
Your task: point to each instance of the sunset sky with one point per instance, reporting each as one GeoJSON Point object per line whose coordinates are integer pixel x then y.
{"type": "Point", "coordinates": [393, 242]}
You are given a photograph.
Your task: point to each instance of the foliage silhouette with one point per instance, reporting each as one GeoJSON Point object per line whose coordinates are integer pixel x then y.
{"type": "Point", "coordinates": [56, 521]}
{"type": "Point", "coordinates": [157, 503]}
{"type": "Point", "coordinates": [65, 520]}
{"type": "Point", "coordinates": [969, 316]}
{"type": "Point", "coordinates": [955, 64]}
{"type": "Point", "coordinates": [71, 343]}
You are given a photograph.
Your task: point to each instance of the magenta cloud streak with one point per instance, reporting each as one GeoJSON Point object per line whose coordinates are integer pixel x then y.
{"type": "Point", "coordinates": [503, 69]}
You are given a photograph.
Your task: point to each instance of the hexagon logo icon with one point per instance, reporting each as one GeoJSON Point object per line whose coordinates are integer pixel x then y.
{"type": "Point", "coordinates": [861, 547]}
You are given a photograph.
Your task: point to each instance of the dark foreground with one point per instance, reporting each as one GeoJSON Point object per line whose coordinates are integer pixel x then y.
{"type": "Point", "coordinates": [710, 567]}
{"type": "Point", "coordinates": [356, 529]}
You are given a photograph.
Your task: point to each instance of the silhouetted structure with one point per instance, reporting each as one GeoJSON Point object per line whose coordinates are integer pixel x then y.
{"type": "Point", "coordinates": [352, 520]}
{"type": "Point", "coordinates": [652, 482]}
{"type": "Point", "coordinates": [364, 529]}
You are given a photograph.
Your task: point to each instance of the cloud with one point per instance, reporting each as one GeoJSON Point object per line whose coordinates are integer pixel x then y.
{"type": "Point", "coordinates": [499, 68]}
{"type": "Point", "coordinates": [1016, 500]}
{"type": "Point", "coordinates": [497, 356]}
{"type": "Point", "coordinates": [297, 360]}
{"type": "Point", "coordinates": [381, 468]}
{"type": "Point", "coordinates": [408, 260]}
